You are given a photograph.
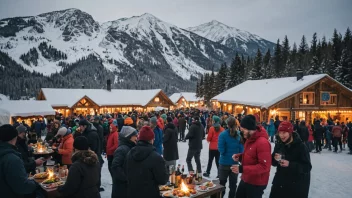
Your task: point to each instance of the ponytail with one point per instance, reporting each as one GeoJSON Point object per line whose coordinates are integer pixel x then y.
{"type": "Point", "coordinates": [233, 127]}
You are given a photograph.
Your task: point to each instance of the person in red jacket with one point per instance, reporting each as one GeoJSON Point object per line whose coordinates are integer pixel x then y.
{"type": "Point", "coordinates": [213, 137]}
{"type": "Point", "coordinates": [256, 160]}
{"type": "Point", "coordinates": [112, 145]}
{"type": "Point", "coordinates": [337, 137]}
{"type": "Point", "coordinates": [65, 148]}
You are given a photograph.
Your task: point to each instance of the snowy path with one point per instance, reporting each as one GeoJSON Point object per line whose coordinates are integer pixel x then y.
{"type": "Point", "coordinates": [331, 175]}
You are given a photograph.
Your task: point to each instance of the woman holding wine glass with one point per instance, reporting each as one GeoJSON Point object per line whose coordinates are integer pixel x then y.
{"type": "Point", "coordinates": [291, 157]}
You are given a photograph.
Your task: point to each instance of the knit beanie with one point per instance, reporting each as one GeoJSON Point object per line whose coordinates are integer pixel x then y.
{"type": "Point", "coordinates": [163, 116]}
{"type": "Point", "coordinates": [81, 143]}
{"type": "Point", "coordinates": [21, 129]}
{"type": "Point", "coordinates": [169, 119]}
{"type": "Point", "coordinates": [285, 127]}
{"type": "Point", "coordinates": [216, 120]}
{"type": "Point", "coordinates": [128, 121]}
{"type": "Point", "coordinates": [113, 127]}
{"type": "Point", "coordinates": [249, 122]}
{"type": "Point", "coordinates": [114, 122]}
{"type": "Point", "coordinates": [146, 134]}
{"type": "Point", "coordinates": [7, 132]}
{"type": "Point", "coordinates": [128, 132]}
{"type": "Point", "coordinates": [83, 123]}
{"type": "Point", "coordinates": [153, 120]}
{"type": "Point", "coordinates": [62, 132]}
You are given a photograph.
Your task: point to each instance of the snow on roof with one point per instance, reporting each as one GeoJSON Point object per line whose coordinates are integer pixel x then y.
{"type": "Point", "coordinates": [3, 98]}
{"type": "Point", "coordinates": [102, 97]}
{"type": "Point", "coordinates": [265, 93]}
{"type": "Point", "coordinates": [26, 108]}
{"type": "Point", "coordinates": [189, 96]}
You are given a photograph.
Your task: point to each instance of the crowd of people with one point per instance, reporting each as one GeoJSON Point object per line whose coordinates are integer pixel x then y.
{"type": "Point", "coordinates": [140, 147]}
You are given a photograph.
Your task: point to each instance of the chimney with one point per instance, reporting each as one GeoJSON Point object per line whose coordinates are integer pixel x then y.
{"type": "Point", "coordinates": [82, 86]}
{"type": "Point", "coordinates": [299, 74]}
{"type": "Point", "coordinates": [108, 85]}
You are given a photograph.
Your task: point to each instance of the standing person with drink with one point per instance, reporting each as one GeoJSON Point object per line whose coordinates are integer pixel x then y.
{"type": "Point", "coordinates": [195, 136]}
{"type": "Point", "coordinates": [229, 144]}
{"type": "Point", "coordinates": [291, 157]}
{"type": "Point", "coordinates": [170, 152]}
{"type": "Point", "coordinates": [256, 160]}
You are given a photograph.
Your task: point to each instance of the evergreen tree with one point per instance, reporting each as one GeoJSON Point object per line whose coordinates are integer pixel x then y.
{"type": "Point", "coordinates": [266, 64]}
{"type": "Point", "coordinates": [220, 81]}
{"type": "Point", "coordinates": [201, 87]}
{"type": "Point", "coordinates": [302, 54]}
{"type": "Point", "coordinates": [346, 60]}
{"type": "Point", "coordinates": [207, 87]}
{"type": "Point", "coordinates": [336, 68]}
{"type": "Point", "coordinates": [248, 67]}
{"type": "Point", "coordinates": [236, 73]}
{"type": "Point", "coordinates": [212, 84]}
{"type": "Point", "coordinates": [325, 58]}
{"type": "Point", "coordinates": [285, 55]}
{"type": "Point", "coordinates": [197, 90]}
{"type": "Point", "coordinates": [315, 65]}
{"type": "Point", "coordinates": [257, 70]}
{"type": "Point", "coordinates": [277, 63]}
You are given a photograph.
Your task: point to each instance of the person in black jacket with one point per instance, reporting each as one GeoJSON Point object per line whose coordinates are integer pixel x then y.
{"type": "Point", "coordinates": [29, 163]}
{"type": "Point", "coordinates": [170, 152]}
{"type": "Point", "coordinates": [14, 180]}
{"type": "Point", "coordinates": [84, 173]}
{"type": "Point", "coordinates": [303, 132]}
{"type": "Point", "coordinates": [90, 132]}
{"type": "Point", "coordinates": [127, 140]}
{"type": "Point", "coordinates": [318, 135]}
{"type": "Point", "coordinates": [195, 136]}
{"type": "Point", "coordinates": [182, 125]}
{"type": "Point", "coordinates": [145, 168]}
{"type": "Point", "coordinates": [277, 123]}
{"type": "Point", "coordinates": [292, 177]}
{"type": "Point", "coordinates": [120, 122]}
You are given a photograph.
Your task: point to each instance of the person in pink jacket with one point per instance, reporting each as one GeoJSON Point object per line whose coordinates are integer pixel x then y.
{"type": "Point", "coordinates": [112, 145]}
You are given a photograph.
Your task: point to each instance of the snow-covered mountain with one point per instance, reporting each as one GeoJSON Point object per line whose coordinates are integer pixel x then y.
{"type": "Point", "coordinates": [232, 37]}
{"type": "Point", "coordinates": [46, 42]}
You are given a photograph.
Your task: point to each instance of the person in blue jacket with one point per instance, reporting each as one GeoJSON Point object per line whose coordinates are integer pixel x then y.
{"type": "Point", "coordinates": [229, 143]}
{"type": "Point", "coordinates": [158, 133]}
{"type": "Point", "coordinates": [271, 130]}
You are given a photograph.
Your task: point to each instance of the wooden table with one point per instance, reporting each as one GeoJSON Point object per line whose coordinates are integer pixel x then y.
{"type": "Point", "coordinates": [213, 192]}
{"type": "Point", "coordinates": [49, 193]}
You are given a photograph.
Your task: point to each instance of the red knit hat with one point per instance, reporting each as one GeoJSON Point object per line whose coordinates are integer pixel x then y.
{"type": "Point", "coordinates": [285, 127]}
{"type": "Point", "coordinates": [113, 127]}
{"type": "Point", "coordinates": [146, 133]}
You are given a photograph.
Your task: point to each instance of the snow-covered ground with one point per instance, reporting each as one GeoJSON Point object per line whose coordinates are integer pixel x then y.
{"type": "Point", "coordinates": [331, 175]}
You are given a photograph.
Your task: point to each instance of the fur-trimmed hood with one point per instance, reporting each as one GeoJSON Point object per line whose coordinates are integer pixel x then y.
{"type": "Point", "coordinates": [87, 157]}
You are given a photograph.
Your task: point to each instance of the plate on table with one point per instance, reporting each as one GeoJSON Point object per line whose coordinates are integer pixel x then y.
{"type": "Point", "coordinates": [168, 194]}
{"type": "Point", "coordinates": [178, 193]}
{"type": "Point", "coordinates": [202, 188]}
{"type": "Point", "coordinates": [209, 184]}
{"type": "Point", "coordinates": [53, 185]}
{"type": "Point", "coordinates": [165, 188]}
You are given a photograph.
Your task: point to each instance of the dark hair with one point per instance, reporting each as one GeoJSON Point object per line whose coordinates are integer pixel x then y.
{"type": "Point", "coordinates": [232, 124]}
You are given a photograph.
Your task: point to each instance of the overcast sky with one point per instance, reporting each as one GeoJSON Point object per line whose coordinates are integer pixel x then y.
{"type": "Point", "coordinates": [270, 19]}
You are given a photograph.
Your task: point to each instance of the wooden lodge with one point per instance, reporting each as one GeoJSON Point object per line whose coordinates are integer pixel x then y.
{"type": "Point", "coordinates": [291, 98]}
{"type": "Point", "coordinates": [101, 101]}
{"type": "Point", "coordinates": [186, 100]}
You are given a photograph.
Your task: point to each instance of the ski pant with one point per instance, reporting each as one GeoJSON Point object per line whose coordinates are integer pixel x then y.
{"type": "Point", "coordinates": [224, 173]}
{"type": "Point", "coordinates": [317, 145]}
{"type": "Point", "coordinates": [213, 154]}
{"type": "Point", "coordinates": [337, 141]}
{"type": "Point", "coordinates": [246, 190]}
{"type": "Point", "coordinates": [182, 133]}
{"type": "Point", "coordinates": [196, 154]}
{"type": "Point", "coordinates": [110, 158]}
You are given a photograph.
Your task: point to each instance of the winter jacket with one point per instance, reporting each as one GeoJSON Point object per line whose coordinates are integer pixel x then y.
{"type": "Point", "coordinates": [100, 131]}
{"type": "Point", "coordinates": [66, 149]}
{"type": "Point", "coordinates": [38, 126]}
{"type": "Point", "coordinates": [195, 136]}
{"type": "Point", "coordinates": [51, 135]}
{"type": "Point", "coordinates": [228, 146]}
{"type": "Point", "coordinates": [303, 132]}
{"type": "Point", "coordinates": [182, 123]}
{"type": "Point", "coordinates": [318, 132]}
{"type": "Point", "coordinates": [202, 121]}
{"type": "Point", "coordinates": [337, 131]}
{"type": "Point", "coordinates": [256, 159]}
{"type": "Point", "coordinates": [120, 123]}
{"type": "Point", "coordinates": [93, 139]}
{"type": "Point", "coordinates": [276, 124]}
{"type": "Point", "coordinates": [311, 137]}
{"type": "Point", "coordinates": [292, 181]}
{"type": "Point", "coordinates": [170, 151]}
{"type": "Point", "coordinates": [328, 133]}
{"type": "Point", "coordinates": [209, 122]}
{"type": "Point", "coordinates": [145, 170]}
{"type": "Point", "coordinates": [28, 162]}
{"type": "Point", "coordinates": [113, 143]}
{"type": "Point", "coordinates": [14, 181]}
{"type": "Point", "coordinates": [271, 128]}
{"type": "Point", "coordinates": [160, 123]}
{"type": "Point", "coordinates": [83, 176]}
{"type": "Point", "coordinates": [175, 122]}
{"type": "Point", "coordinates": [213, 138]}
{"type": "Point", "coordinates": [158, 140]}
{"type": "Point", "coordinates": [119, 188]}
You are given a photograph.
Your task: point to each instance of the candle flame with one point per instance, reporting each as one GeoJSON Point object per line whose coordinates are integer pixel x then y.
{"type": "Point", "coordinates": [40, 148]}
{"type": "Point", "coordinates": [51, 173]}
{"type": "Point", "coordinates": [184, 187]}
